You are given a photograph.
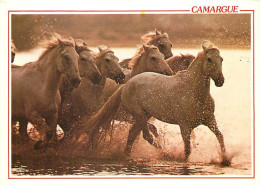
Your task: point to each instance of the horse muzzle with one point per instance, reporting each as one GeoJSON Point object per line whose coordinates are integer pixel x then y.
{"type": "Point", "coordinates": [120, 78]}
{"type": "Point", "coordinates": [75, 82]}
{"type": "Point", "coordinates": [219, 81]}
{"type": "Point", "coordinates": [96, 79]}
{"type": "Point", "coordinates": [168, 55]}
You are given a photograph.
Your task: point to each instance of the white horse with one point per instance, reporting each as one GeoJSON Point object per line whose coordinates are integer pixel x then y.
{"type": "Point", "coordinates": [183, 99]}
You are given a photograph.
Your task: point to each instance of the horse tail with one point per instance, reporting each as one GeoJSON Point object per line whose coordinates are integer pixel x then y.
{"type": "Point", "coordinates": [103, 118]}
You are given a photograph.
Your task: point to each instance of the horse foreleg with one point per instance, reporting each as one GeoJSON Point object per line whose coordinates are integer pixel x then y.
{"type": "Point", "coordinates": [214, 128]}
{"type": "Point", "coordinates": [185, 132]}
{"type": "Point", "coordinates": [23, 130]}
{"type": "Point", "coordinates": [133, 133]}
{"type": "Point", "coordinates": [40, 124]}
{"type": "Point", "coordinates": [53, 122]}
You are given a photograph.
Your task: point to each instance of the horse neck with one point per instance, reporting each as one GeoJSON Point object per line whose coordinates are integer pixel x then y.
{"type": "Point", "coordinates": [48, 66]}
{"type": "Point", "coordinates": [139, 67]}
{"type": "Point", "coordinates": [103, 76]}
{"type": "Point", "coordinates": [197, 80]}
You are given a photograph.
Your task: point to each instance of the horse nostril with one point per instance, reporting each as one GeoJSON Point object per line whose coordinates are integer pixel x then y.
{"type": "Point", "coordinates": [75, 82]}
{"type": "Point", "coordinates": [170, 55]}
{"type": "Point", "coordinates": [96, 79]}
{"type": "Point", "coordinates": [219, 81]}
{"type": "Point", "coordinates": [120, 78]}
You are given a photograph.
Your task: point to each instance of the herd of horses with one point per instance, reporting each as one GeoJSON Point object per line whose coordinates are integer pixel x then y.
{"type": "Point", "coordinates": [78, 89]}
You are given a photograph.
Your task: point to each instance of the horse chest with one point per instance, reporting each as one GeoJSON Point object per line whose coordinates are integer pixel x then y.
{"type": "Point", "coordinates": [199, 110]}
{"type": "Point", "coordinates": [190, 110]}
{"type": "Point", "coordinates": [47, 105]}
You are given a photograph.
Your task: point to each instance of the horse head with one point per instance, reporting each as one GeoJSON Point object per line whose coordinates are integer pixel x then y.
{"type": "Point", "coordinates": [87, 62]}
{"type": "Point", "coordinates": [213, 65]}
{"type": "Point", "coordinates": [67, 61]}
{"type": "Point", "coordinates": [154, 60]}
{"type": "Point", "coordinates": [160, 40]}
{"type": "Point", "coordinates": [108, 64]}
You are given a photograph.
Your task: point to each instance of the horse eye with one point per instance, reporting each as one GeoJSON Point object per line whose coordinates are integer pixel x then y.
{"type": "Point", "coordinates": [162, 46]}
{"type": "Point", "coordinates": [209, 60]}
{"type": "Point", "coordinates": [83, 58]}
{"type": "Point", "coordinates": [153, 58]}
{"type": "Point", "coordinates": [107, 60]}
{"type": "Point", "coordinates": [66, 56]}
{"type": "Point", "coordinates": [221, 59]}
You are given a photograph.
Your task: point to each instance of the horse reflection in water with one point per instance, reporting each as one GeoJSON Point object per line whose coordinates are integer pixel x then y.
{"type": "Point", "coordinates": [183, 99]}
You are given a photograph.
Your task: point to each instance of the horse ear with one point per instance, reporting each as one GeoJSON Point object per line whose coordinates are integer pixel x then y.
{"type": "Point", "coordinates": [146, 47]}
{"type": "Point", "coordinates": [60, 42]}
{"type": "Point", "coordinates": [58, 36]}
{"type": "Point", "coordinates": [204, 47]}
{"type": "Point", "coordinates": [165, 34]}
{"type": "Point", "coordinates": [157, 32]}
{"type": "Point", "coordinates": [182, 55]}
{"type": "Point", "coordinates": [102, 47]}
{"type": "Point", "coordinates": [77, 47]}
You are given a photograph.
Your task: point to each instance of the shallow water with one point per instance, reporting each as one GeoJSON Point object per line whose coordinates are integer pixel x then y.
{"type": "Point", "coordinates": [233, 114]}
{"type": "Point", "coordinates": [103, 167]}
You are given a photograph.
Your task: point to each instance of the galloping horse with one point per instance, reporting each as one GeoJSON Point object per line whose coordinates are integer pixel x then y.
{"type": "Point", "coordinates": [35, 87]}
{"type": "Point", "coordinates": [88, 97]}
{"type": "Point", "coordinates": [156, 38]}
{"type": "Point", "coordinates": [183, 99]}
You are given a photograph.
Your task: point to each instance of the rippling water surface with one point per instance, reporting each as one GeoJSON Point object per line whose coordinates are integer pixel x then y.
{"type": "Point", "coordinates": [105, 167]}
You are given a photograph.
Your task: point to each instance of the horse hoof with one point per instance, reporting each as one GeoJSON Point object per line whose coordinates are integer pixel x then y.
{"type": "Point", "coordinates": [225, 162]}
